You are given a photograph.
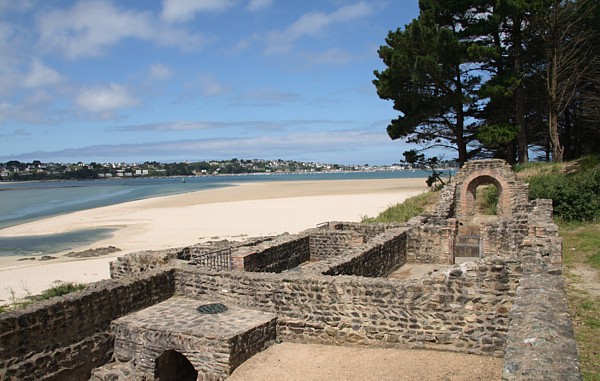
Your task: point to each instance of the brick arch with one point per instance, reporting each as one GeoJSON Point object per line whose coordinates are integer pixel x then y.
{"type": "Point", "coordinates": [485, 177]}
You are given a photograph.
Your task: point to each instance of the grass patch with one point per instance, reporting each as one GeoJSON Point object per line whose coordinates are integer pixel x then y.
{"type": "Point", "coordinates": [581, 248]}
{"type": "Point", "coordinates": [52, 292]}
{"type": "Point", "coordinates": [403, 212]}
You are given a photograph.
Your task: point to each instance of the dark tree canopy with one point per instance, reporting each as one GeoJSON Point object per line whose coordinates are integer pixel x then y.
{"type": "Point", "coordinates": [481, 77]}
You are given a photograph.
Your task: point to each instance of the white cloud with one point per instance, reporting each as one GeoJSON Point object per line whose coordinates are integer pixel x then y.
{"type": "Point", "coordinates": [41, 75]}
{"type": "Point", "coordinates": [106, 98]}
{"type": "Point", "coordinates": [264, 146]}
{"type": "Point", "coordinates": [256, 5]}
{"type": "Point", "coordinates": [185, 10]}
{"type": "Point", "coordinates": [160, 72]}
{"type": "Point", "coordinates": [313, 24]}
{"type": "Point", "coordinates": [90, 27]}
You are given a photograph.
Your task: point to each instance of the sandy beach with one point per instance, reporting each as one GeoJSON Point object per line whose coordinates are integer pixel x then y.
{"type": "Point", "coordinates": [234, 213]}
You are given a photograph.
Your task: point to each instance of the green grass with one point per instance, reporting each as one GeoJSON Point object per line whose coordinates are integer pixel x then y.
{"type": "Point", "coordinates": [581, 247]}
{"type": "Point", "coordinates": [403, 212]}
{"type": "Point", "coordinates": [52, 292]}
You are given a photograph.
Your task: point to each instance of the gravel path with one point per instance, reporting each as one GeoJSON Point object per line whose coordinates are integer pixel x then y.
{"type": "Point", "coordinates": [308, 362]}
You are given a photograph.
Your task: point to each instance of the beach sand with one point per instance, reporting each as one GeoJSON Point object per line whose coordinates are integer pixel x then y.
{"type": "Point", "coordinates": [234, 213]}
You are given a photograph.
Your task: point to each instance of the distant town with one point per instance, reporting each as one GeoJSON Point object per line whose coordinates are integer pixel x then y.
{"type": "Point", "coordinates": [37, 170]}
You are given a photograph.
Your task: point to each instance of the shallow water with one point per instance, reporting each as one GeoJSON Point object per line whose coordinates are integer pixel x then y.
{"type": "Point", "coordinates": [30, 201]}
{"type": "Point", "coordinates": [48, 244]}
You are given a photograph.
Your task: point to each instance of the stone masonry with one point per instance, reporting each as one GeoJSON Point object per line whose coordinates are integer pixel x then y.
{"type": "Point", "coordinates": [325, 285]}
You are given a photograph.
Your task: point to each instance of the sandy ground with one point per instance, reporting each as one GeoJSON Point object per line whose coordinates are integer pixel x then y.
{"type": "Point", "coordinates": [246, 210]}
{"type": "Point", "coordinates": [307, 362]}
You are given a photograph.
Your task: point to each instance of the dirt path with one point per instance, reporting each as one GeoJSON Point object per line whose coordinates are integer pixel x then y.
{"type": "Point", "coordinates": [585, 279]}
{"type": "Point", "coordinates": [309, 362]}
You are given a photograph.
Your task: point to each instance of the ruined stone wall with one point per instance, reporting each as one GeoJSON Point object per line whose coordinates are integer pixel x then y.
{"type": "Point", "coordinates": [464, 308]}
{"type": "Point", "coordinates": [508, 237]}
{"type": "Point", "coordinates": [541, 343]}
{"type": "Point", "coordinates": [140, 262]}
{"type": "Point", "coordinates": [456, 199]}
{"type": "Point", "coordinates": [430, 240]}
{"type": "Point", "coordinates": [65, 337]}
{"type": "Point", "coordinates": [326, 243]}
{"type": "Point", "coordinates": [504, 237]}
{"type": "Point", "coordinates": [367, 230]}
{"type": "Point", "coordinates": [283, 254]}
{"type": "Point", "coordinates": [380, 257]}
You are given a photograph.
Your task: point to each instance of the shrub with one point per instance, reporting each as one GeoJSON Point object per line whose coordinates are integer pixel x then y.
{"type": "Point", "coordinates": [61, 289]}
{"type": "Point", "coordinates": [576, 196]}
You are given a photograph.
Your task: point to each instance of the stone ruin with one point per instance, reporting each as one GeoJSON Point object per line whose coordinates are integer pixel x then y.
{"type": "Point", "coordinates": [199, 312]}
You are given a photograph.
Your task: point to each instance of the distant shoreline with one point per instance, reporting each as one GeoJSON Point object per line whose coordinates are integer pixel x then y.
{"type": "Point", "coordinates": [245, 210]}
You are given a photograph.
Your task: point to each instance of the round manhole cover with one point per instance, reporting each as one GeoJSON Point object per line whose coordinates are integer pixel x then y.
{"type": "Point", "coordinates": [212, 308]}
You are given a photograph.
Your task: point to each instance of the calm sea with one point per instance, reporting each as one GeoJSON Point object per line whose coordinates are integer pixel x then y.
{"type": "Point", "coordinates": [30, 201]}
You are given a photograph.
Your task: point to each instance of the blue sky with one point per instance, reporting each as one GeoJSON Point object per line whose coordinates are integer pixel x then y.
{"type": "Point", "coordinates": [175, 80]}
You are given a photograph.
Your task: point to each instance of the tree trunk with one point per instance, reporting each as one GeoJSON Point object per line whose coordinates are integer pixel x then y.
{"type": "Point", "coordinates": [522, 147]}
{"type": "Point", "coordinates": [553, 112]}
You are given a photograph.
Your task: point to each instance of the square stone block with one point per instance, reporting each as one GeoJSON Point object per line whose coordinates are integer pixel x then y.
{"type": "Point", "coordinates": [215, 344]}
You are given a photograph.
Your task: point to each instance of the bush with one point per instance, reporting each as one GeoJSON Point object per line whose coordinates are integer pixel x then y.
{"type": "Point", "coordinates": [61, 289]}
{"type": "Point", "coordinates": [576, 197]}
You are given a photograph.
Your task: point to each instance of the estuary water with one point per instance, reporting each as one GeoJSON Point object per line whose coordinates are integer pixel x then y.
{"type": "Point", "coordinates": [29, 201]}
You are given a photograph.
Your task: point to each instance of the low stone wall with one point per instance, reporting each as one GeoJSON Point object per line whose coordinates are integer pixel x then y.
{"type": "Point", "coordinates": [464, 308]}
{"type": "Point", "coordinates": [367, 230]}
{"type": "Point", "coordinates": [541, 344]}
{"type": "Point", "coordinates": [65, 337]}
{"type": "Point", "coordinates": [140, 262]}
{"type": "Point", "coordinates": [431, 240]}
{"type": "Point", "coordinates": [380, 257]}
{"type": "Point", "coordinates": [285, 253]}
{"type": "Point", "coordinates": [327, 243]}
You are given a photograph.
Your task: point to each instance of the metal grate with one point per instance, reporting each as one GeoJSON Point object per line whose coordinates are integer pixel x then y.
{"type": "Point", "coordinates": [212, 308]}
{"type": "Point", "coordinates": [216, 260]}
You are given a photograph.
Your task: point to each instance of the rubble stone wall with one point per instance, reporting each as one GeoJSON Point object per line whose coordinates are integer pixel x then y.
{"type": "Point", "coordinates": [380, 257]}
{"type": "Point", "coordinates": [275, 257]}
{"type": "Point", "coordinates": [66, 337]}
{"type": "Point", "coordinates": [541, 343]}
{"type": "Point", "coordinates": [431, 240]}
{"type": "Point", "coordinates": [141, 262]}
{"type": "Point", "coordinates": [327, 243]}
{"type": "Point", "coordinates": [465, 308]}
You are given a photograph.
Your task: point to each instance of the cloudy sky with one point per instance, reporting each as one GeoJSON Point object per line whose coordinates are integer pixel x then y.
{"type": "Point", "coordinates": [174, 80]}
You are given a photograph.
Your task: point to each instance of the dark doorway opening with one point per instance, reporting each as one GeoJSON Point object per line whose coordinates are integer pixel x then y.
{"type": "Point", "coordinates": [173, 366]}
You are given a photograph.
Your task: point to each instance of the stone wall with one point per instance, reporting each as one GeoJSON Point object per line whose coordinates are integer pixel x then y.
{"type": "Point", "coordinates": [431, 240]}
{"type": "Point", "coordinates": [327, 243]}
{"type": "Point", "coordinates": [464, 308]}
{"type": "Point", "coordinates": [276, 256]}
{"type": "Point", "coordinates": [379, 257]}
{"type": "Point", "coordinates": [457, 198]}
{"type": "Point", "coordinates": [140, 262]}
{"type": "Point", "coordinates": [367, 230]}
{"type": "Point", "coordinates": [541, 343]}
{"type": "Point", "coordinates": [65, 337]}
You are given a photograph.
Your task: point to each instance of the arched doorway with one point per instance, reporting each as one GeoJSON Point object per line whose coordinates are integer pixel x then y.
{"type": "Point", "coordinates": [173, 366]}
{"type": "Point", "coordinates": [485, 198]}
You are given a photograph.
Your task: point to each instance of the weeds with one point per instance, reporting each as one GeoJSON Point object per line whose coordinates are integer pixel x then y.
{"type": "Point", "coordinates": [581, 248]}
{"type": "Point", "coordinates": [52, 292]}
{"type": "Point", "coordinates": [403, 212]}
